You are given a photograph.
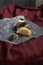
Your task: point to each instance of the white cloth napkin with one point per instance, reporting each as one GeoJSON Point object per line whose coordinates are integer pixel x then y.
{"type": "Point", "coordinates": [6, 29]}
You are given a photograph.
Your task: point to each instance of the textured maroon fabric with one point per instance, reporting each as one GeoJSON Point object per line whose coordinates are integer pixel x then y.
{"type": "Point", "coordinates": [29, 51]}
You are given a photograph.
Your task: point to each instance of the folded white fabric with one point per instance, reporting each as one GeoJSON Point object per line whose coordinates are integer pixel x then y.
{"type": "Point", "coordinates": [6, 29]}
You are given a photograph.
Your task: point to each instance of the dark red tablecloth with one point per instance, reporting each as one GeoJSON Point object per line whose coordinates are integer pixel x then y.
{"type": "Point", "coordinates": [27, 52]}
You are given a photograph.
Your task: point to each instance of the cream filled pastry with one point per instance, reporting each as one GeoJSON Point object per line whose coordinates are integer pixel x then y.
{"type": "Point", "coordinates": [24, 31]}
